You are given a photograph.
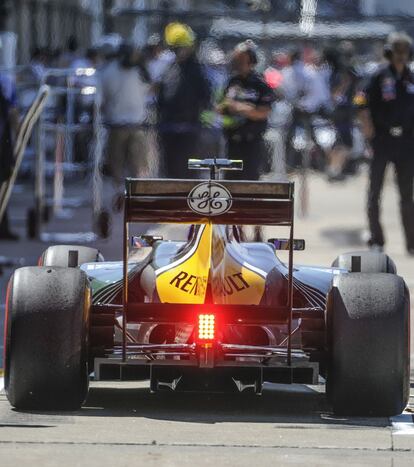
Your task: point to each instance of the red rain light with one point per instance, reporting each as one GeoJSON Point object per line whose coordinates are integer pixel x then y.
{"type": "Point", "coordinates": [206, 327]}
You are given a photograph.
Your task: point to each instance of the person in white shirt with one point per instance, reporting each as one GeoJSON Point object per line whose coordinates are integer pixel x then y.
{"type": "Point", "coordinates": [124, 92]}
{"type": "Point", "coordinates": [159, 59]}
{"type": "Point", "coordinates": [305, 89]}
{"type": "Point", "coordinates": [304, 86]}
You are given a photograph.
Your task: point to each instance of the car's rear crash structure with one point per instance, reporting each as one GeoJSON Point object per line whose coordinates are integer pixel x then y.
{"type": "Point", "coordinates": [214, 313]}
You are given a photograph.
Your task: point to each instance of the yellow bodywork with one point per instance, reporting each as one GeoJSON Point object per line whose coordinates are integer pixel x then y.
{"type": "Point", "coordinates": [214, 259]}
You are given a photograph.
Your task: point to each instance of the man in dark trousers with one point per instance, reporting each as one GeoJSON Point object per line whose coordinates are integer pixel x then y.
{"type": "Point", "coordinates": [183, 93]}
{"type": "Point", "coordinates": [246, 107]}
{"type": "Point", "coordinates": [8, 125]}
{"type": "Point", "coordinates": [387, 120]}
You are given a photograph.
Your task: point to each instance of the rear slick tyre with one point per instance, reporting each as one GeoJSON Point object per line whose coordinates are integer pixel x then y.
{"type": "Point", "coordinates": [368, 322]}
{"type": "Point", "coordinates": [46, 355]}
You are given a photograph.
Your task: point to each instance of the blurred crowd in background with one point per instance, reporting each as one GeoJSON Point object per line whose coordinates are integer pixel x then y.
{"type": "Point", "coordinates": [149, 96]}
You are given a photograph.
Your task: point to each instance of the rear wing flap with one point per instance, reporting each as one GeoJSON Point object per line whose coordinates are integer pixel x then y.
{"type": "Point", "coordinates": [201, 201]}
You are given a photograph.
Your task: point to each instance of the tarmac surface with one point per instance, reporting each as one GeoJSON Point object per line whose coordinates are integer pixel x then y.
{"type": "Point", "coordinates": [123, 424]}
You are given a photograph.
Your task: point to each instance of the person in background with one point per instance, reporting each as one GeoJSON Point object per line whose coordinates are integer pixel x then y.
{"type": "Point", "coordinates": [213, 60]}
{"type": "Point", "coordinates": [125, 87]}
{"type": "Point", "coordinates": [108, 49]}
{"type": "Point", "coordinates": [247, 105]}
{"type": "Point", "coordinates": [343, 80]}
{"type": "Point", "coordinates": [86, 81]}
{"type": "Point", "coordinates": [38, 63]}
{"type": "Point", "coordinates": [273, 74]}
{"type": "Point", "coordinates": [387, 120]}
{"type": "Point", "coordinates": [306, 90]}
{"type": "Point", "coordinates": [71, 55]}
{"type": "Point", "coordinates": [280, 114]}
{"type": "Point", "coordinates": [183, 93]}
{"type": "Point", "coordinates": [9, 123]}
{"type": "Point", "coordinates": [158, 58]}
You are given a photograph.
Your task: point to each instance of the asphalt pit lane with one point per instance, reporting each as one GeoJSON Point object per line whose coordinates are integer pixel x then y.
{"type": "Point", "coordinates": [284, 406]}
{"type": "Point", "coordinates": [19, 425]}
{"type": "Point", "coordinates": [354, 422]}
{"type": "Point", "coordinates": [279, 403]}
{"type": "Point", "coordinates": [344, 237]}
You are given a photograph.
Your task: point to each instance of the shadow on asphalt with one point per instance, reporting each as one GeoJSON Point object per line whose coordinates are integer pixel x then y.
{"type": "Point", "coordinates": [343, 237]}
{"type": "Point", "coordinates": [279, 404]}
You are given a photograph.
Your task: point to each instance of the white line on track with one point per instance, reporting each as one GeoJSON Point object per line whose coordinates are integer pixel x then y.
{"type": "Point", "coordinates": [1, 384]}
{"type": "Point", "coordinates": [403, 424]}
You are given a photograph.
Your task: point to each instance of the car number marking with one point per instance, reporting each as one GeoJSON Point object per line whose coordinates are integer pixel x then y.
{"type": "Point", "coordinates": [209, 199]}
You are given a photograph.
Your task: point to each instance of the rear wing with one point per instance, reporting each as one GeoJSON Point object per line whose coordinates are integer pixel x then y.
{"type": "Point", "coordinates": [200, 201]}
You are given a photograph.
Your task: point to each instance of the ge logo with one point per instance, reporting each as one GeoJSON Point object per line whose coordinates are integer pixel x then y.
{"type": "Point", "coordinates": [209, 199]}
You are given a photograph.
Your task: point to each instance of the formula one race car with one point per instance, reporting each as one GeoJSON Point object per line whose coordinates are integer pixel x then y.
{"type": "Point", "coordinates": [213, 313]}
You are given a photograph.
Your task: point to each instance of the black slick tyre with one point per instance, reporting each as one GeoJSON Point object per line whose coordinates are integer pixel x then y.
{"type": "Point", "coordinates": [69, 256]}
{"type": "Point", "coordinates": [368, 344]}
{"type": "Point", "coordinates": [365, 261]}
{"type": "Point", "coordinates": [47, 324]}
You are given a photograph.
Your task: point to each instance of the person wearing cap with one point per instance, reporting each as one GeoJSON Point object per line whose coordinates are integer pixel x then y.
{"type": "Point", "coordinates": [246, 107]}
{"type": "Point", "coordinates": [183, 94]}
{"type": "Point", "coordinates": [387, 121]}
